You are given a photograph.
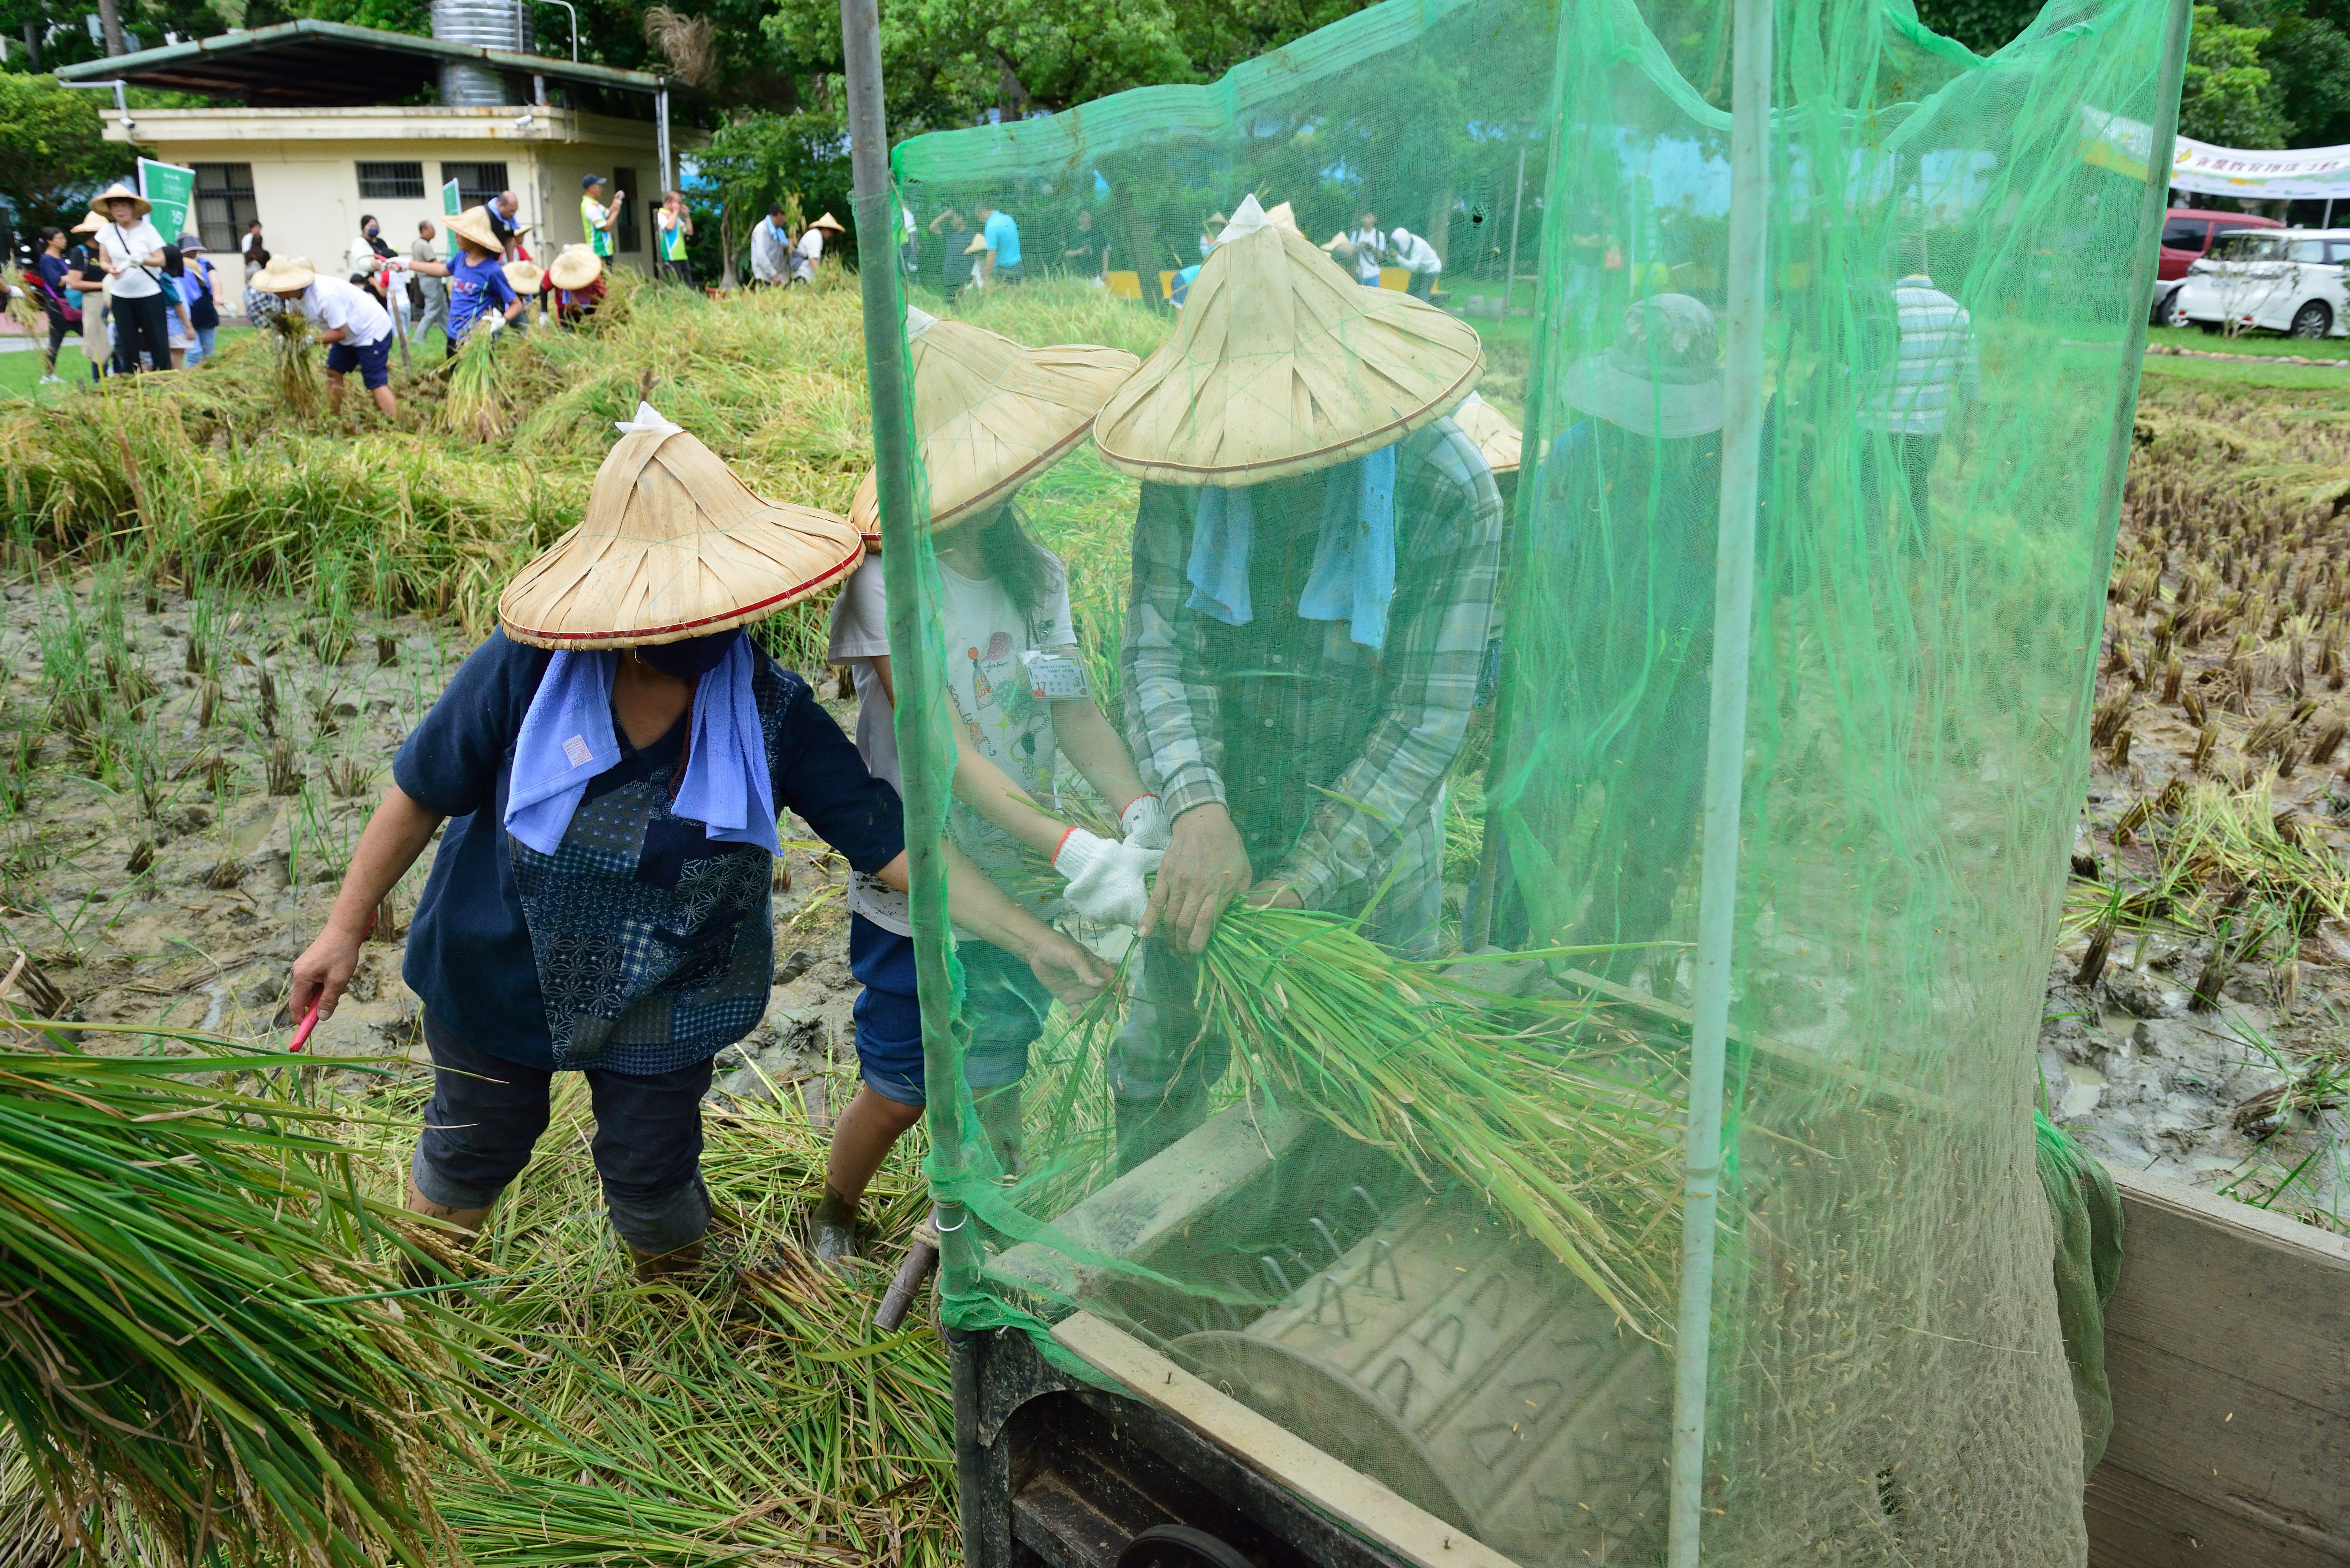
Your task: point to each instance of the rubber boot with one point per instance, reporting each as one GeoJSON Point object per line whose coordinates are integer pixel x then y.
{"type": "Point", "coordinates": [469, 1220]}
{"type": "Point", "coordinates": [652, 1266]}
{"type": "Point", "coordinates": [834, 1227]}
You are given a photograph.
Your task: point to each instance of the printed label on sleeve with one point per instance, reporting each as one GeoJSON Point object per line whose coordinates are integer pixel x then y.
{"type": "Point", "coordinates": [1054, 677]}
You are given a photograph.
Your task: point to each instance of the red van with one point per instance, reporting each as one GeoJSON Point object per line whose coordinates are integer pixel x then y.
{"type": "Point", "coordinates": [2186, 235]}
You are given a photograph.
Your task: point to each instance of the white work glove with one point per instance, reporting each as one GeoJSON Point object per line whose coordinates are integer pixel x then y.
{"type": "Point", "coordinates": [1105, 877]}
{"type": "Point", "coordinates": [1144, 824]}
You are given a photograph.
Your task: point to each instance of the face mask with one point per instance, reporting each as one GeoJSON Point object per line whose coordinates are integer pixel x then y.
{"type": "Point", "coordinates": [694, 657]}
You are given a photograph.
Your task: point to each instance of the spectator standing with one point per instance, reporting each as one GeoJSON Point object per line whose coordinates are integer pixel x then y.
{"type": "Point", "coordinates": [251, 242]}
{"type": "Point", "coordinates": [596, 219]}
{"type": "Point", "coordinates": [50, 270]}
{"type": "Point", "coordinates": [261, 306]}
{"type": "Point", "coordinates": [909, 252]}
{"type": "Point", "coordinates": [182, 325]}
{"type": "Point", "coordinates": [999, 260]}
{"type": "Point", "coordinates": [1413, 254]}
{"type": "Point", "coordinates": [132, 254]}
{"type": "Point", "coordinates": [431, 293]}
{"type": "Point", "coordinates": [1369, 245]}
{"type": "Point", "coordinates": [506, 221]}
{"type": "Point", "coordinates": [771, 253]}
{"type": "Point", "coordinates": [1082, 255]}
{"type": "Point", "coordinates": [369, 251]}
{"type": "Point", "coordinates": [954, 255]}
{"type": "Point", "coordinates": [1934, 365]}
{"type": "Point", "coordinates": [196, 287]}
{"type": "Point", "coordinates": [351, 322]}
{"type": "Point", "coordinates": [673, 227]}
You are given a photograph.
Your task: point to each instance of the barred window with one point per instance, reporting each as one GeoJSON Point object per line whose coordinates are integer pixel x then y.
{"type": "Point", "coordinates": [391, 181]}
{"type": "Point", "coordinates": [477, 183]}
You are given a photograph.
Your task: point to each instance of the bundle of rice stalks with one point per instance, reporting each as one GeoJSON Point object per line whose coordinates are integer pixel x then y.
{"type": "Point", "coordinates": [201, 1350]}
{"type": "Point", "coordinates": [1583, 1153]}
{"type": "Point", "coordinates": [298, 385]}
{"type": "Point", "coordinates": [21, 308]}
{"type": "Point", "coordinates": [475, 406]}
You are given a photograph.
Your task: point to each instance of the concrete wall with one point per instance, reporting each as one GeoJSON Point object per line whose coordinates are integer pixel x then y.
{"type": "Point", "coordinates": [305, 175]}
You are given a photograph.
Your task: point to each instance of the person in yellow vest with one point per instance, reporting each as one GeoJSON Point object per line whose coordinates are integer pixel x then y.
{"type": "Point", "coordinates": [596, 219]}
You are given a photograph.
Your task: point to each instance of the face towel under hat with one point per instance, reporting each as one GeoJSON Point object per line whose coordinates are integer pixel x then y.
{"type": "Point", "coordinates": [567, 740]}
{"type": "Point", "coordinates": [1353, 576]}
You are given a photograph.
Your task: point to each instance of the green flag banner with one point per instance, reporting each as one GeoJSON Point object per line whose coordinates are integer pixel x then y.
{"type": "Point", "coordinates": [452, 202]}
{"type": "Point", "coordinates": [172, 190]}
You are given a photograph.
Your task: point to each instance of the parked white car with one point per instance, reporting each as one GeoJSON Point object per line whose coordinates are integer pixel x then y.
{"type": "Point", "coordinates": [2278, 280]}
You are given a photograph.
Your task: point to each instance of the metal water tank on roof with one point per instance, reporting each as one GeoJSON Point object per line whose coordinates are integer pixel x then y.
{"type": "Point", "coordinates": [485, 23]}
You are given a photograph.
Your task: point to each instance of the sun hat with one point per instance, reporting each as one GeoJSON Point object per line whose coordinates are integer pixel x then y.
{"type": "Point", "coordinates": [92, 222]}
{"type": "Point", "coordinates": [523, 276]}
{"type": "Point", "coordinates": [192, 244]}
{"type": "Point", "coordinates": [472, 226]}
{"type": "Point", "coordinates": [117, 191]}
{"type": "Point", "coordinates": [1495, 435]}
{"type": "Point", "coordinates": [284, 273]}
{"type": "Point", "coordinates": [828, 222]}
{"type": "Point", "coordinates": [575, 266]}
{"type": "Point", "coordinates": [978, 244]}
{"type": "Point", "coordinates": [673, 546]}
{"type": "Point", "coordinates": [990, 415]}
{"type": "Point", "coordinates": [1283, 364]}
{"type": "Point", "coordinates": [1661, 376]}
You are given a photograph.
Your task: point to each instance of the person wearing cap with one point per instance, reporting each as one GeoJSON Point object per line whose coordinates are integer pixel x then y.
{"type": "Point", "coordinates": [596, 219]}
{"type": "Point", "coordinates": [1308, 617]}
{"type": "Point", "coordinates": [611, 764]}
{"type": "Point", "coordinates": [431, 288]}
{"type": "Point", "coordinates": [574, 280]}
{"type": "Point", "coordinates": [809, 250]}
{"type": "Point", "coordinates": [132, 252]}
{"type": "Point", "coordinates": [999, 245]}
{"type": "Point", "coordinates": [1631, 501]}
{"type": "Point", "coordinates": [673, 227]}
{"type": "Point", "coordinates": [356, 329]}
{"type": "Point", "coordinates": [196, 291]}
{"type": "Point", "coordinates": [1413, 254]}
{"type": "Point", "coordinates": [990, 415]}
{"type": "Point", "coordinates": [771, 251]}
{"type": "Point", "coordinates": [479, 290]}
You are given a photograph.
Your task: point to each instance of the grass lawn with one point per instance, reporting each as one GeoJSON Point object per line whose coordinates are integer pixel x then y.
{"type": "Point", "coordinates": [2249, 343]}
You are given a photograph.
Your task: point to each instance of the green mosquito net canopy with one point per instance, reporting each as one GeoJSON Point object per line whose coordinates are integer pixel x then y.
{"type": "Point", "coordinates": [1496, 357]}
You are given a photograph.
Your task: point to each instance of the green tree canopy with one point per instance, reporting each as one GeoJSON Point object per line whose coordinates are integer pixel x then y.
{"type": "Point", "coordinates": [52, 150]}
{"type": "Point", "coordinates": [2230, 99]}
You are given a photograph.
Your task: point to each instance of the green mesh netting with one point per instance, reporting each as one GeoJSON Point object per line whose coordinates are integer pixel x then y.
{"type": "Point", "coordinates": [1404, 1166]}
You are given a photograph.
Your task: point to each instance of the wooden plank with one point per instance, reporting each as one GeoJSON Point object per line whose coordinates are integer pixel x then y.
{"type": "Point", "coordinates": [1343, 1493]}
{"type": "Point", "coordinates": [2229, 1348]}
{"type": "Point", "coordinates": [1157, 1198]}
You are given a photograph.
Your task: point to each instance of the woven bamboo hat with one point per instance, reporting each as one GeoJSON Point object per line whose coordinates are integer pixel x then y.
{"type": "Point", "coordinates": [990, 415]}
{"type": "Point", "coordinates": [91, 223]}
{"type": "Point", "coordinates": [575, 267]}
{"type": "Point", "coordinates": [119, 192]}
{"type": "Point", "coordinates": [673, 547]}
{"type": "Point", "coordinates": [1500, 440]}
{"type": "Point", "coordinates": [1283, 364]}
{"type": "Point", "coordinates": [472, 226]}
{"type": "Point", "coordinates": [285, 272]}
{"type": "Point", "coordinates": [828, 222]}
{"type": "Point", "coordinates": [978, 244]}
{"type": "Point", "coordinates": [523, 276]}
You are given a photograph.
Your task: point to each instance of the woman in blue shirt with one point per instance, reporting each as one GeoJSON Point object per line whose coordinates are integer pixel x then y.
{"type": "Point", "coordinates": [611, 764]}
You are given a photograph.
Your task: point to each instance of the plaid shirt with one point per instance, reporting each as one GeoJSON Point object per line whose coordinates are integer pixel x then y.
{"type": "Point", "coordinates": [1330, 757]}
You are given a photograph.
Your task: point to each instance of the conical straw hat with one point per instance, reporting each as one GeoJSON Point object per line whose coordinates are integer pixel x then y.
{"type": "Point", "coordinates": [1283, 364]}
{"type": "Point", "coordinates": [285, 272]}
{"type": "Point", "coordinates": [673, 547]}
{"type": "Point", "coordinates": [523, 276]}
{"type": "Point", "coordinates": [575, 267]}
{"type": "Point", "coordinates": [1496, 436]}
{"type": "Point", "coordinates": [828, 222]}
{"type": "Point", "coordinates": [119, 192]}
{"type": "Point", "coordinates": [473, 225]}
{"type": "Point", "coordinates": [91, 223]}
{"type": "Point", "coordinates": [990, 415]}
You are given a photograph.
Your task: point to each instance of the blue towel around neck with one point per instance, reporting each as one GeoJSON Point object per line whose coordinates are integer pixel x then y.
{"type": "Point", "coordinates": [1353, 576]}
{"type": "Point", "coordinates": [567, 739]}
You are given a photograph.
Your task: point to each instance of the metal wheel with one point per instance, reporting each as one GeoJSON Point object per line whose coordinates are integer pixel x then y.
{"type": "Point", "coordinates": [2168, 313]}
{"type": "Point", "coordinates": [1181, 1546]}
{"type": "Point", "coordinates": [2315, 319]}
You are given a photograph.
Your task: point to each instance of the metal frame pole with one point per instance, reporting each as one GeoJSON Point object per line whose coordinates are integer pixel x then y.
{"type": "Point", "coordinates": [1510, 278]}
{"type": "Point", "coordinates": [922, 746]}
{"type": "Point", "coordinates": [1725, 760]}
{"type": "Point", "coordinates": [668, 181]}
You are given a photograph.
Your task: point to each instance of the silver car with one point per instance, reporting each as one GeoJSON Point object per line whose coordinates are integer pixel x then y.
{"type": "Point", "coordinates": [2276, 280]}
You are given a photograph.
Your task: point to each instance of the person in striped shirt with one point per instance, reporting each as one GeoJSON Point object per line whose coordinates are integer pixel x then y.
{"type": "Point", "coordinates": [1933, 370]}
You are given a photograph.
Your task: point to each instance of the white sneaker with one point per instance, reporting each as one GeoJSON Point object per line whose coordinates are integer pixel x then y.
{"type": "Point", "coordinates": [46, 379]}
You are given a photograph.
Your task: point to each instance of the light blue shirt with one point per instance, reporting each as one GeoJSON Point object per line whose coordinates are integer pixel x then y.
{"type": "Point", "coordinates": [1003, 237]}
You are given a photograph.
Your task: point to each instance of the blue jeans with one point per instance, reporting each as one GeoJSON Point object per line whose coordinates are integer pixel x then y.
{"type": "Point", "coordinates": [201, 348]}
{"type": "Point", "coordinates": [487, 1112]}
{"type": "Point", "coordinates": [1004, 1007]}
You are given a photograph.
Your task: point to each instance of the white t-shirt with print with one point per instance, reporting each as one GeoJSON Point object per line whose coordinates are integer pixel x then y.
{"type": "Point", "coordinates": [127, 246]}
{"type": "Point", "coordinates": [991, 692]}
